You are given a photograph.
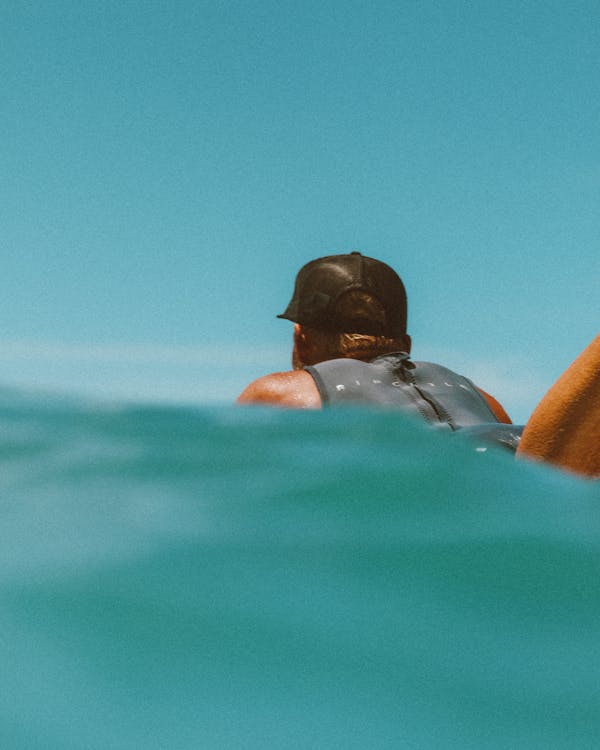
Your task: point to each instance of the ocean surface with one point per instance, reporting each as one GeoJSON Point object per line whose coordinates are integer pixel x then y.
{"type": "Point", "coordinates": [199, 578]}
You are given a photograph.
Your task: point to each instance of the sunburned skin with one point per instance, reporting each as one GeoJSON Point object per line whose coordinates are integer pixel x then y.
{"type": "Point", "coordinates": [294, 389]}
{"type": "Point", "coordinates": [564, 429]}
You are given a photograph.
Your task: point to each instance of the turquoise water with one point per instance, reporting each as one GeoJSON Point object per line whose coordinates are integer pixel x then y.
{"type": "Point", "coordinates": [228, 578]}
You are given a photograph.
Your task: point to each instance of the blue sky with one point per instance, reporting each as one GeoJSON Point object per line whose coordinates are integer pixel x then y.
{"type": "Point", "coordinates": [165, 169]}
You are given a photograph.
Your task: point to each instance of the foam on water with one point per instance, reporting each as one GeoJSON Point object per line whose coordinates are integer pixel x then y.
{"type": "Point", "coordinates": [249, 578]}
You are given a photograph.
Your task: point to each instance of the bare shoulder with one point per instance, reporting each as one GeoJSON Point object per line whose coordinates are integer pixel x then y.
{"type": "Point", "coordinates": [496, 407]}
{"type": "Point", "coordinates": [294, 389]}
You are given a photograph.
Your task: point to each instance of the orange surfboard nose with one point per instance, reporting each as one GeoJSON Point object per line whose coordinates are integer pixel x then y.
{"type": "Point", "coordinates": [564, 429]}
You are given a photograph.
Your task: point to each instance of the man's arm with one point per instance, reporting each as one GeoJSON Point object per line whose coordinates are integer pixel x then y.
{"type": "Point", "coordinates": [496, 407]}
{"type": "Point", "coordinates": [295, 389]}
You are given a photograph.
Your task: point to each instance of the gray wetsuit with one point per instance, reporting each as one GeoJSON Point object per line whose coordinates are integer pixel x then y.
{"type": "Point", "coordinates": [435, 393]}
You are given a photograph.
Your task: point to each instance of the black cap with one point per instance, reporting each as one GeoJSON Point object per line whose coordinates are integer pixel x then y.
{"type": "Point", "coordinates": [320, 283]}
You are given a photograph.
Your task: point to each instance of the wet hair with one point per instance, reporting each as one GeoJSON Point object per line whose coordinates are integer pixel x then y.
{"type": "Point", "coordinates": [358, 345]}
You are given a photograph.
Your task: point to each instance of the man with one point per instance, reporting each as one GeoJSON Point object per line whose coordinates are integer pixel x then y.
{"type": "Point", "coordinates": [351, 346]}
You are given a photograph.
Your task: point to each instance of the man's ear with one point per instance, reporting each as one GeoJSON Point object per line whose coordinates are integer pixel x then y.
{"type": "Point", "coordinates": [300, 346]}
{"type": "Point", "coordinates": [306, 347]}
{"type": "Point", "coordinates": [298, 335]}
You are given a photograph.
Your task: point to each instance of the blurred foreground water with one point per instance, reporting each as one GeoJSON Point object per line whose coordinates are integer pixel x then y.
{"type": "Point", "coordinates": [182, 578]}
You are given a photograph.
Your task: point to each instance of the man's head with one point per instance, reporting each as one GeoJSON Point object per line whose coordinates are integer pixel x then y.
{"type": "Point", "coordinates": [347, 306]}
